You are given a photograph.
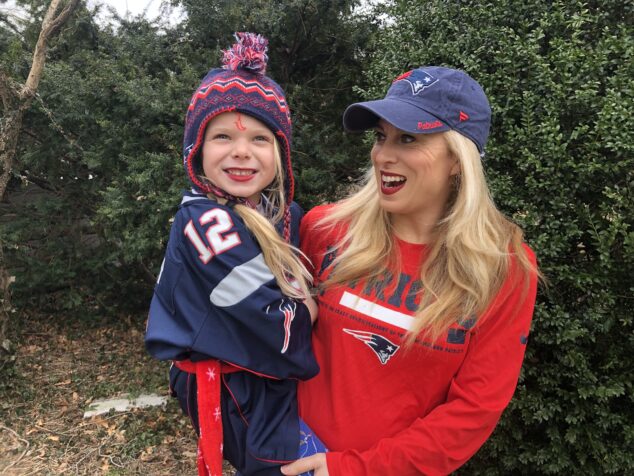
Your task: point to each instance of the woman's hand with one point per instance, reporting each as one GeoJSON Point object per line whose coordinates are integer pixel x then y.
{"type": "Point", "coordinates": [316, 462]}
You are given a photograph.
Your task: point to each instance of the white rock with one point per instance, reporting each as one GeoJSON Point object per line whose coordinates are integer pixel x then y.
{"type": "Point", "coordinates": [123, 403]}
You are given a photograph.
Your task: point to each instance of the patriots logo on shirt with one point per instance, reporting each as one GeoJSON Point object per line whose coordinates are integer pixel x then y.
{"type": "Point", "coordinates": [418, 80]}
{"type": "Point", "coordinates": [382, 347]}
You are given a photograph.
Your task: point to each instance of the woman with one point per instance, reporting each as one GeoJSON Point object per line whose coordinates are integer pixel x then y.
{"type": "Point", "coordinates": [426, 291]}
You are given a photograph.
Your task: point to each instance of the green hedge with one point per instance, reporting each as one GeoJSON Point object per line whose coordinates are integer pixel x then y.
{"type": "Point", "coordinates": [560, 77]}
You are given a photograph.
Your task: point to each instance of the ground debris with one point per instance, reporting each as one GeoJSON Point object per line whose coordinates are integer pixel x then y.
{"type": "Point", "coordinates": [64, 365]}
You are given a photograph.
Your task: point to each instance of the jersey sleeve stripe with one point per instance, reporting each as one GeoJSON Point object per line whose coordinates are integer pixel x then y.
{"type": "Point", "coordinates": [241, 282]}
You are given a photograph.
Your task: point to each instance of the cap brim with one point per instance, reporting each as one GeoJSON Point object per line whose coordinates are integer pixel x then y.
{"type": "Point", "coordinates": [362, 116]}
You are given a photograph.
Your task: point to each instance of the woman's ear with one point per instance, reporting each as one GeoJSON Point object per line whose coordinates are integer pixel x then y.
{"type": "Point", "coordinates": [455, 168]}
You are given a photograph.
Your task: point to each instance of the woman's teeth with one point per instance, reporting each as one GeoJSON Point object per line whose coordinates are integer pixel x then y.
{"type": "Point", "coordinates": [392, 180]}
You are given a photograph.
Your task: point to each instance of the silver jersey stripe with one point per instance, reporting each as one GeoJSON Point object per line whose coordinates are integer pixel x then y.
{"type": "Point", "coordinates": [241, 282]}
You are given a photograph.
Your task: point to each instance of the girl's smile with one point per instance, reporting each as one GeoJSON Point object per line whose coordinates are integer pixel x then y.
{"type": "Point", "coordinates": [241, 175]}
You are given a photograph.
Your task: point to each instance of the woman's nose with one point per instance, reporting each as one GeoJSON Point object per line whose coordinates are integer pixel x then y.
{"type": "Point", "coordinates": [383, 154]}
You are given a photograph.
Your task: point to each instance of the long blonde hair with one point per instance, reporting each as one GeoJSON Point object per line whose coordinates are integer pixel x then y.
{"type": "Point", "coordinates": [464, 267]}
{"type": "Point", "coordinates": [282, 258]}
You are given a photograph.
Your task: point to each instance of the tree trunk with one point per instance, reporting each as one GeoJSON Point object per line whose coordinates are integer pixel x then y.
{"type": "Point", "coordinates": [16, 99]}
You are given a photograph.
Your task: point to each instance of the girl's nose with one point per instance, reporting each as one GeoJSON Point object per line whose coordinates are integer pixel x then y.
{"type": "Point", "coordinates": [241, 149]}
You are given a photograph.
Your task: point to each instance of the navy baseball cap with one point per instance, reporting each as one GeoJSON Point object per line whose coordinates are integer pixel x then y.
{"type": "Point", "coordinates": [425, 100]}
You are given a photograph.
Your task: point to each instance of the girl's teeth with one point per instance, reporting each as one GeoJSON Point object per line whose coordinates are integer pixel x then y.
{"type": "Point", "coordinates": [240, 172]}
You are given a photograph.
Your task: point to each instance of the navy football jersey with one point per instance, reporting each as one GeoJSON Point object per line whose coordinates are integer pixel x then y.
{"type": "Point", "coordinates": [216, 298]}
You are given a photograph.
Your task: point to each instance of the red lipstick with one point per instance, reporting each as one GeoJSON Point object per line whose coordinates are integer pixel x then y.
{"type": "Point", "coordinates": [240, 175]}
{"type": "Point", "coordinates": [391, 183]}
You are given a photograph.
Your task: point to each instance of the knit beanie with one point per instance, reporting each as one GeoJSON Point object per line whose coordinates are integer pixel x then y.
{"type": "Point", "coordinates": [241, 85]}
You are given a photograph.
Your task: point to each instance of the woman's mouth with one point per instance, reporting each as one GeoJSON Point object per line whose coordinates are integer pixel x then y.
{"type": "Point", "coordinates": [391, 183]}
{"type": "Point", "coordinates": [240, 175]}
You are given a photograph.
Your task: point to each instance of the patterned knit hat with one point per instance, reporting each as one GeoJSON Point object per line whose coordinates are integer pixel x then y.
{"type": "Point", "coordinates": [241, 86]}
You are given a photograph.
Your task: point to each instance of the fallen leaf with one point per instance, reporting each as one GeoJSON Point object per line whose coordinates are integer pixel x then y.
{"type": "Point", "coordinates": [147, 454]}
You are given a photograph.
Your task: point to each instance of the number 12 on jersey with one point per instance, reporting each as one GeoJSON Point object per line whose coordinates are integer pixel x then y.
{"type": "Point", "coordinates": [218, 240]}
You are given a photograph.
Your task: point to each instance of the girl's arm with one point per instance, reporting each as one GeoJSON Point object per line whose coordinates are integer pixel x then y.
{"type": "Point", "coordinates": [216, 298]}
{"type": "Point", "coordinates": [311, 304]}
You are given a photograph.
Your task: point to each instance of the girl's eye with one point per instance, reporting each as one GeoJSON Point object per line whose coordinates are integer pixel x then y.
{"type": "Point", "coordinates": [221, 137]}
{"type": "Point", "coordinates": [262, 138]}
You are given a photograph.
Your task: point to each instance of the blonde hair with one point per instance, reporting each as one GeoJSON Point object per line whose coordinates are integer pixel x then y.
{"type": "Point", "coordinates": [282, 258]}
{"type": "Point", "coordinates": [466, 264]}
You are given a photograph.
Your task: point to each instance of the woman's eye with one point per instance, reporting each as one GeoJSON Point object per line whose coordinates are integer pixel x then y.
{"type": "Point", "coordinates": [407, 139]}
{"type": "Point", "coordinates": [379, 136]}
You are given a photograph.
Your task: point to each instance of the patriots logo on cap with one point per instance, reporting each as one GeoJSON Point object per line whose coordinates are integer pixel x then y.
{"type": "Point", "coordinates": [418, 79]}
{"type": "Point", "coordinates": [382, 347]}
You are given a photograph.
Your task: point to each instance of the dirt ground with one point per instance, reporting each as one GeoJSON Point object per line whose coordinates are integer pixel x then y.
{"type": "Point", "coordinates": [61, 368]}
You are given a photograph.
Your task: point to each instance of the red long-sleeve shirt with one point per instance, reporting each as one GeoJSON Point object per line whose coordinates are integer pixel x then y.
{"type": "Point", "coordinates": [383, 409]}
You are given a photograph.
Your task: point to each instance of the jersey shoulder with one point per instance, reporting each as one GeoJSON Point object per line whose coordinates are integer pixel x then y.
{"type": "Point", "coordinates": [193, 206]}
{"type": "Point", "coordinates": [207, 231]}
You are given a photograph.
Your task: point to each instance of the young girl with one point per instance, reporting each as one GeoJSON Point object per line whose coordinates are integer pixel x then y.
{"type": "Point", "coordinates": [225, 308]}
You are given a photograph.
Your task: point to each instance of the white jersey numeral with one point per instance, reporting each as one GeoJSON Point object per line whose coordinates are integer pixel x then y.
{"type": "Point", "coordinates": [221, 224]}
{"type": "Point", "coordinates": [218, 242]}
{"type": "Point", "coordinates": [204, 253]}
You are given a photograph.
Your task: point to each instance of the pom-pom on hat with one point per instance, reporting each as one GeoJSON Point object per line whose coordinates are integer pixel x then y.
{"type": "Point", "coordinates": [241, 86]}
{"type": "Point", "coordinates": [426, 100]}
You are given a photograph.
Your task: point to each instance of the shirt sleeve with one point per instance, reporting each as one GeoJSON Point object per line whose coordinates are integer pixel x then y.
{"type": "Point", "coordinates": [450, 434]}
{"type": "Point", "coordinates": [217, 298]}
